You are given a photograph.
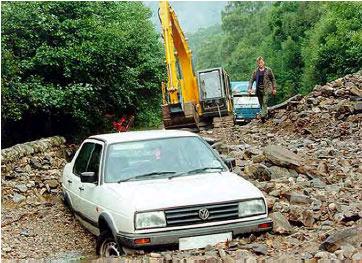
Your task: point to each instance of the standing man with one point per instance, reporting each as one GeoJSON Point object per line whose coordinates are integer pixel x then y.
{"type": "Point", "coordinates": [265, 85]}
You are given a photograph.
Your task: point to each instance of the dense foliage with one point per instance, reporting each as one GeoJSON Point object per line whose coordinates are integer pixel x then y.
{"type": "Point", "coordinates": [305, 43]}
{"type": "Point", "coordinates": [68, 65]}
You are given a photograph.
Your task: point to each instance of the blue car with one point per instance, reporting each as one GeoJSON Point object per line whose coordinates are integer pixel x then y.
{"type": "Point", "coordinates": [246, 107]}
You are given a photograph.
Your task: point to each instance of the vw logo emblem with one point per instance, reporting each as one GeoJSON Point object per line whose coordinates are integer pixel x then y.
{"type": "Point", "coordinates": [204, 213]}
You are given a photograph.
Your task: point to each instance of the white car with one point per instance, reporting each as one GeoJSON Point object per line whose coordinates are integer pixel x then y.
{"type": "Point", "coordinates": [147, 188]}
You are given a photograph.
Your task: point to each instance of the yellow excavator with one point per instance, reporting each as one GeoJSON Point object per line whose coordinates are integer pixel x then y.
{"type": "Point", "coordinates": [187, 100]}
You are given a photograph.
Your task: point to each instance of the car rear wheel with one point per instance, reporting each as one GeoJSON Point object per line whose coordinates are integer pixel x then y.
{"type": "Point", "coordinates": [107, 245]}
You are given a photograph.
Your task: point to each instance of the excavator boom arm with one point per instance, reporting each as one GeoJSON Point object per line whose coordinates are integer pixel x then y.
{"type": "Point", "coordinates": [181, 86]}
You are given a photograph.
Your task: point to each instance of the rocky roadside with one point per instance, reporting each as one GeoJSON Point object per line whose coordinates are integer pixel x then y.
{"type": "Point", "coordinates": [306, 160]}
{"type": "Point", "coordinates": [34, 221]}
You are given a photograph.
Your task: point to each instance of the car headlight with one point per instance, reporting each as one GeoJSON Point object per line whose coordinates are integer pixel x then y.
{"type": "Point", "coordinates": [252, 207]}
{"type": "Point", "coordinates": [150, 220]}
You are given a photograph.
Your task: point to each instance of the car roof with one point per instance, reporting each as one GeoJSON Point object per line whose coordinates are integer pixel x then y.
{"type": "Point", "coordinates": [141, 135]}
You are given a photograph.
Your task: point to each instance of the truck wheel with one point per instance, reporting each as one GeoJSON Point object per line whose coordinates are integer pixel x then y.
{"type": "Point", "coordinates": [107, 245]}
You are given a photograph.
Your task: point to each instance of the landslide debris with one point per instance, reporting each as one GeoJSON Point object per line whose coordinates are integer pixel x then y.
{"type": "Point", "coordinates": [306, 159]}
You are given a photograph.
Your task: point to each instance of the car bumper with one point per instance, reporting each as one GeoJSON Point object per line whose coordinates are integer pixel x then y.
{"type": "Point", "coordinates": [173, 236]}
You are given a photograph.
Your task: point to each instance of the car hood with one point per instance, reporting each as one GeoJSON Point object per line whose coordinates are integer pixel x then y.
{"type": "Point", "coordinates": [183, 191]}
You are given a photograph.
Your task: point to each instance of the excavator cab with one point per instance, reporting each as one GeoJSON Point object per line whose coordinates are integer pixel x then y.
{"type": "Point", "coordinates": [215, 92]}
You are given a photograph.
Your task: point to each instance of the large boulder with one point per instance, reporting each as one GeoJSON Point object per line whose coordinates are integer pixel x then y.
{"type": "Point", "coordinates": [350, 236]}
{"type": "Point", "coordinates": [280, 224]}
{"type": "Point", "coordinates": [281, 156]}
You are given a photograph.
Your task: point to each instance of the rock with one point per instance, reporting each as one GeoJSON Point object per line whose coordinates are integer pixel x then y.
{"type": "Point", "coordinates": [358, 107]}
{"type": "Point", "coordinates": [21, 187]}
{"type": "Point", "coordinates": [227, 259]}
{"type": "Point", "coordinates": [295, 213]}
{"type": "Point", "coordinates": [30, 184]}
{"type": "Point", "coordinates": [327, 91]}
{"type": "Point", "coordinates": [348, 250]}
{"type": "Point", "coordinates": [250, 169]}
{"type": "Point", "coordinates": [344, 108]}
{"type": "Point", "coordinates": [259, 249]}
{"type": "Point", "coordinates": [281, 156]}
{"type": "Point", "coordinates": [6, 249]}
{"type": "Point", "coordinates": [168, 257]}
{"type": "Point", "coordinates": [282, 207]}
{"type": "Point", "coordinates": [24, 232]}
{"type": "Point", "coordinates": [270, 200]}
{"type": "Point", "coordinates": [222, 253]}
{"type": "Point", "coordinates": [356, 91]}
{"type": "Point", "coordinates": [307, 218]}
{"type": "Point", "coordinates": [332, 207]}
{"type": "Point", "coordinates": [317, 183]}
{"type": "Point", "coordinates": [357, 257]}
{"type": "Point", "coordinates": [35, 164]}
{"type": "Point", "coordinates": [280, 224]}
{"type": "Point", "coordinates": [324, 255]}
{"type": "Point", "coordinates": [261, 173]}
{"type": "Point", "coordinates": [209, 248]}
{"type": "Point", "coordinates": [155, 255]}
{"type": "Point", "coordinates": [48, 160]}
{"type": "Point", "coordinates": [298, 198]}
{"type": "Point", "coordinates": [350, 235]}
{"type": "Point", "coordinates": [277, 172]}
{"type": "Point", "coordinates": [249, 152]}
{"type": "Point", "coordinates": [242, 254]}
{"type": "Point", "coordinates": [52, 183]}
{"type": "Point", "coordinates": [17, 198]}
{"type": "Point", "coordinates": [258, 158]}
{"type": "Point", "coordinates": [316, 205]}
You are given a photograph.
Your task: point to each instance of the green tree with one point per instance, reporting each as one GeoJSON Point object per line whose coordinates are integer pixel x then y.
{"type": "Point", "coordinates": [68, 64]}
{"type": "Point", "coordinates": [207, 48]}
{"type": "Point", "coordinates": [334, 45]}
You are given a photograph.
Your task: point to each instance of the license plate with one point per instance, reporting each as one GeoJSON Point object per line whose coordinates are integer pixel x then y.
{"type": "Point", "coordinates": [203, 241]}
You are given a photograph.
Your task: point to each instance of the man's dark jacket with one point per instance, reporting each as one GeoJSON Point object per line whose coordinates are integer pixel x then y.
{"type": "Point", "coordinates": [268, 82]}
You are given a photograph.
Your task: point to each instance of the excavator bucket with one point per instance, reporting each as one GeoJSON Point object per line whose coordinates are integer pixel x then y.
{"type": "Point", "coordinates": [185, 118]}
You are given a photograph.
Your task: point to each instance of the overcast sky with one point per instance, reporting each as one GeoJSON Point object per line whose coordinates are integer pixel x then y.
{"type": "Point", "coordinates": [192, 15]}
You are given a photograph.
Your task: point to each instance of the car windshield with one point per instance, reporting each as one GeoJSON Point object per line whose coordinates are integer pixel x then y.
{"type": "Point", "coordinates": [158, 158]}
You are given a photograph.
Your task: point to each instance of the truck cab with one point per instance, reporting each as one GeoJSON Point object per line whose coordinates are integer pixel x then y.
{"type": "Point", "coordinates": [246, 107]}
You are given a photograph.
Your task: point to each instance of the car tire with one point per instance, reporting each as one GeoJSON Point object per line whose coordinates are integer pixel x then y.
{"type": "Point", "coordinates": [107, 245]}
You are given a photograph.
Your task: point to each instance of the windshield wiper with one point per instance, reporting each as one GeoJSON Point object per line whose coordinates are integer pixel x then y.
{"type": "Point", "coordinates": [198, 170]}
{"type": "Point", "coordinates": [146, 175]}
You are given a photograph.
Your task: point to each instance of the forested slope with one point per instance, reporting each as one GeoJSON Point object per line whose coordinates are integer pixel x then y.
{"type": "Point", "coordinates": [305, 43]}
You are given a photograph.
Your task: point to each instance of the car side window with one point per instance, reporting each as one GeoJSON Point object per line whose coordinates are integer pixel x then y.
{"type": "Point", "coordinates": [81, 163]}
{"type": "Point", "coordinates": [94, 161]}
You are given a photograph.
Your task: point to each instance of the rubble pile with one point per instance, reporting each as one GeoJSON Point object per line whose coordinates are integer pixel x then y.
{"type": "Point", "coordinates": [31, 171]}
{"type": "Point", "coordinates": [306, 159]}
{"type": "Point", "coordinates": [331, 110]}
{"type": "Point", "coordinates": [34, 221]}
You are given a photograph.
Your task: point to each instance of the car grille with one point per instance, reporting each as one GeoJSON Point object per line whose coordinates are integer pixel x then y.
{"type": "Point", "coordinates": [190, 215]}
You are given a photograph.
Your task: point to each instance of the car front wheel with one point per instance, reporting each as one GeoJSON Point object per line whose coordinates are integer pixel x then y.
{"type": "Point", "coordinates": [107, 245]}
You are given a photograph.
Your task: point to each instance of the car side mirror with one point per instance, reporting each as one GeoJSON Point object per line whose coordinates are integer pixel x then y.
{"type": "Point", "coordinates": [68, 155]}
{"type": "Point", "coordinates": [88, 177]}
{"type": "Point", "coordinates": [230, 162]}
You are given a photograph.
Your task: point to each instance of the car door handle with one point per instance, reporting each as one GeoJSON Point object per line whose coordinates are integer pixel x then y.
{"type": "Point", "coordinates": [70, 181]}
{"type": "Point", "coordinates": [81, 188]}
